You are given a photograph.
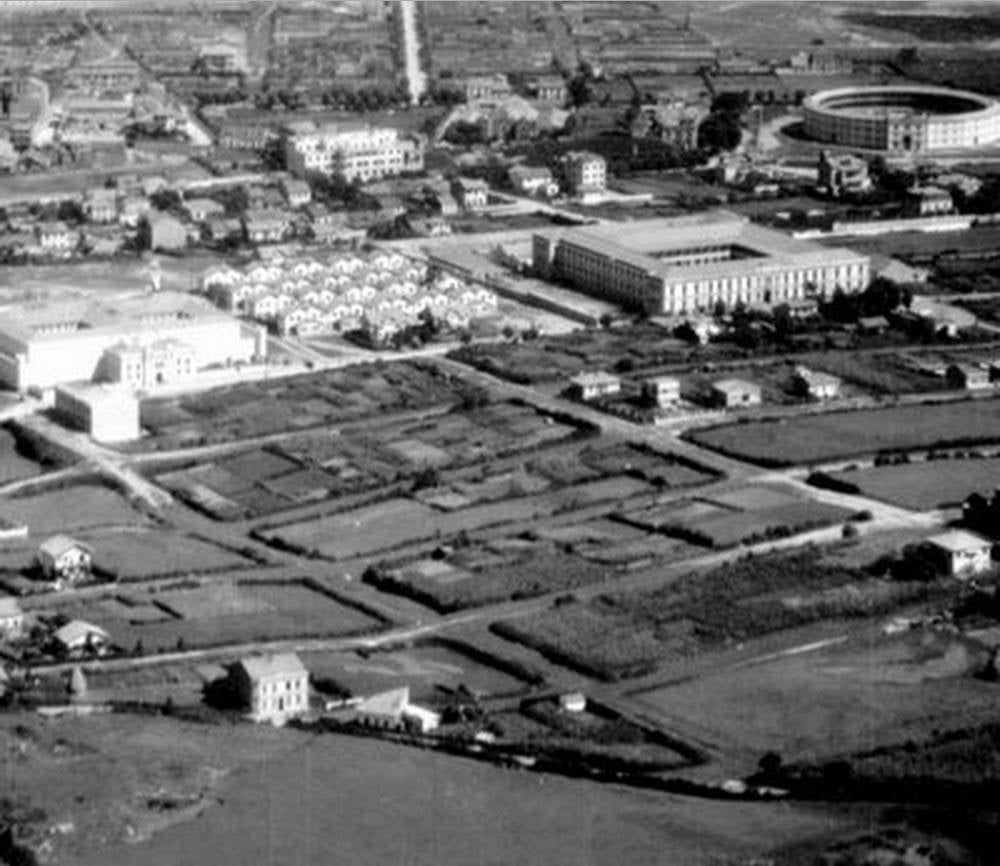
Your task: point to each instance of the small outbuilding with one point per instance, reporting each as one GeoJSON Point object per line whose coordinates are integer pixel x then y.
{"type": "Point", "coordinates": [735, 393]}
{"type": "Point", "coordinates": [393, 710]}
{"type": "Point", "coordinates": [662, 391]}
{"type": "Point", "coordinates": [79, 638]}
{"type": "Point", "coordinates": [591, 386]}
{"type": "Point", "coordinates": [968, 377]}
{"type": "Point", "coordinates": [961, 554]}
{"type": "Point", "coordinates": [815, 385]}
{"type": "Point", "coordinates": [11, 618]}
{"type": "Point", "coordinates": [573, 702]}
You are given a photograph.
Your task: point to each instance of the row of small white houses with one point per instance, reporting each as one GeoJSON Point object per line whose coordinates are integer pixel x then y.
{"type": "Point", "coordinates": [384, 295]}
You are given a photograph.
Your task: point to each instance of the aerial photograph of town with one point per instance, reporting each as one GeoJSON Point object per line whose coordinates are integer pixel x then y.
{"type": "Point", "coordinates": [499, 433]}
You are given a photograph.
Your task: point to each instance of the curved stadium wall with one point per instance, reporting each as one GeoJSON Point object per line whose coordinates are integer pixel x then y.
{"type": "Point", "coordinates": [912, 119]}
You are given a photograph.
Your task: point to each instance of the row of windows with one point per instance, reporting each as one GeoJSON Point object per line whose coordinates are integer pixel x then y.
{"type": "Point", "coordinates": [289, 686]}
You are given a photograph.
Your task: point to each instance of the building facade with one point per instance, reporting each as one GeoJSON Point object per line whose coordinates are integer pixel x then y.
{"type": "Point", "coordinates": [41, 347]}
{"type": "Point", "coordinates": [585, 172]}
{"type": "Point", "coordinates": [108, 413]}
{"type": "Point", "coordinates": [902, 118]}
{"type": "Point", "coordinates": [689, 264]}
{"type": "Point", "coordinates": [271, 688]}
{"type": "Point", "coordinates": [355, 152]}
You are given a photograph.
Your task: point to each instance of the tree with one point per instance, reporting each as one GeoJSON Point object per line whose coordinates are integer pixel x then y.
{"type": "Point", "coordinates": [719, 131]}
{"type": "Point", "coordinates": [70, 211]}
{"type": "Point", "coordinates": [166, 200]}
{"type": "Point", "coordinates": [770, 764]}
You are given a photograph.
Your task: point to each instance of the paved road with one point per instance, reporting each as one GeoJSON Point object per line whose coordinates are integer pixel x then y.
{"type": "Point", "coordinates": [416, 80]}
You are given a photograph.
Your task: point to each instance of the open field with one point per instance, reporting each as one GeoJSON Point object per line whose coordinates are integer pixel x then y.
{"type": "Point", "coordinates": [616, 636]}
{"type": "Point", "coordinates": [817, 438]}
{"type": "Point", "coordinates": [557, 358]}
{"type": "Point", "coordinates": [348, 800]}
{"type": "Point", "coordinates": [523, 573]}
{"type": "Point", "coordinates": [136, 553]}
{"type": "Point", "coordinates": [213, 613]}
{"type": "Point", "coordinates": [310, 400]}
{"type": "Point", "coordinates": [395, 522]}
{"type": "Point", "coordinates": [744, 514]}
{"type": "Point", "coordinates": [927, 484]}
{"type": "Point", "coordinates": [430, 670]}
{"type": "Point", "coordinates": [923, 247]}
{"type": "Point", "coordinates": [872, 690]}
{"type": "Point", "coordinates": [105, 773]}
{"type": "Point", "coordinates": [76, 507]}
{"type": "Point", "coordinates": [319, 466]}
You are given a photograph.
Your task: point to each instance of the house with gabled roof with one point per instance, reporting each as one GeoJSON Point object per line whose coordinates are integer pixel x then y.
{"type": "Point", "coordinates": [63, 558]}
{"type": "Point", "coordinates": [392, 709]}
{"type": "Point", "coordinates": [78, 638]}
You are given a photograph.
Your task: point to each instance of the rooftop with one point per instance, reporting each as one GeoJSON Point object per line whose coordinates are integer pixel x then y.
{"type": "Point", "coordinates": [638, 243]}
{"type": "Point", "coordinates": [9, 607]}
{"type": "Point", "coordinates": [734, 385]}
{"type": "Point", "coordinates": [141, 311]}
{"type": "Point", "coordinates": [78, 630]}
{"type": "Point", "coordinates": [959, 541]}
{"type": "Point", "coordinates": [57, 545]}
{"type": "Point", "coordinates": [392, 703]}
{"type": "Point", "coordinates": [267, 667]}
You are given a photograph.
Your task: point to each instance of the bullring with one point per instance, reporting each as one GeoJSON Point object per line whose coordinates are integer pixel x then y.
{"type": "Point", "coordinates": [902, 118]}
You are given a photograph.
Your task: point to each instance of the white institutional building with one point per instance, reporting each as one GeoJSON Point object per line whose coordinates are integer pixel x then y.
{"type": "Point", "coordinates": [138, 341]}
{"type": "Point", "coordinates": [352, 150]}
{"type": "Point", "coordinates": [691, 263]}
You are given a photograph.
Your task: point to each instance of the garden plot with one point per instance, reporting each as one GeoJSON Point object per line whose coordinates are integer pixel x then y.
{"type": "Point", "coordinates": [630, 634]}
{"type": "Point", "coordinates": [211, 614]}
{"type": "Point", "coordinates": [533, 571]}
{"type": "Point", "coordinates": [746, 514]}
{"type": "Point", "coordinates": [664, 470]}
{"type": "Point", "coordinates": [315, 467]}
{"type": "Point", "coordinates": [69, 509]}
{"type": "Point", "coordinates": [834, 435]}
{"type": "Point", "coordinates": [134, 555]}
{"type": "Point", "coordinates": [852, 696]}
{"type": "Point", "coordinates": [397, 522]}
{"type": "Point", "coordinates": [926, 484]}
{"type": "Point", "coordinates": [430, 670]}
{"type": "Point", "coordinates": [315, 399]}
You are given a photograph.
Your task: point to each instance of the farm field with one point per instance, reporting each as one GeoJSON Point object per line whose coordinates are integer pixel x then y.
{"type": "Point", "coordinates": [103, 773]}
{"type": "Point", "coordinates": [215, 612]}
{"type": "Point", "coordinates": [310, 400]}
{"type": "Point", "coordinates": [871, 691]}
{"type": "Point", "coordinates": [372, 802]}
{"type": "Point", "coordinates": [924, 246]}
{"type": "Point", "coordinates": [77, 507]}
{"type": "Point", "coordinates": [138, 553]}
{"type": "Point", "coordinates": [428, 669]}
{"type": "Point", "coordinates": [462, 582]}
{"type": "Point", "coordinates": [266, 480]}
{"type": "Point", "coordinates": [923, 485]}
{"type": "Point", "coordinates": [619, 636]}
{"type": "Point", "coordinates": [557, 358]}
{"type": "Point", "coordinates": [817, 438]}
{"type": "Point", "coordinates": [744, 514]}
{"type": "Point", "coordinates": [398, 521]}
